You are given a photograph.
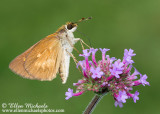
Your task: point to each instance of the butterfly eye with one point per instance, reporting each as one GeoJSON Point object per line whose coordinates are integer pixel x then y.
{"type": "Point", "coordinates": [69, 26]}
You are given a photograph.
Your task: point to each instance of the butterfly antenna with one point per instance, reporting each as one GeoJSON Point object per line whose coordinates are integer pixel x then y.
{"type": "Point", "coordinates": [83, 19]}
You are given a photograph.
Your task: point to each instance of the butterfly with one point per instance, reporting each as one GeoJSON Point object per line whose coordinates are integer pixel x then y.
{"type": "Point", "coordinates": [49, 56]}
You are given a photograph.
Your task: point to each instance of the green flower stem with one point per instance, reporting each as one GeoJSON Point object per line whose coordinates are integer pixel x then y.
{"type": "Point", "coordinates": [91, 106]}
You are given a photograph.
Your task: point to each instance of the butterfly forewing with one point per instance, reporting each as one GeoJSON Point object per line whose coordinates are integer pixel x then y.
{"type": "Point", "coordinates": [43, 61]}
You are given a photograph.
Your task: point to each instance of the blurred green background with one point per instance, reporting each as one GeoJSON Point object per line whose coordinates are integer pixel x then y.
{"type": "Point", "coordinates": [116, 24]}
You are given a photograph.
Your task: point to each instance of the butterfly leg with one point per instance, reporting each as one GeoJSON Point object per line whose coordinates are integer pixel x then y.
{"type": "Point", "coordinates": [74, 58]}
{"type": "Point", "coordinates": [82, 42]}
{"type": "Point", "coordinates": [79, 39]}
{"type": "Point", "coordinates": [76, 49]}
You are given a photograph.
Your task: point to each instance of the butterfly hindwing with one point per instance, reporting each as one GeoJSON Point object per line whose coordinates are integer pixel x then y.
{"type": "Point", "coordinates": [17, 65]}
{"type": "Point", "coordinates": [44, 60]}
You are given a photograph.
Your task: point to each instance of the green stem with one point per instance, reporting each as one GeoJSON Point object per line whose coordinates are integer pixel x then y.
{"type": "Point", "coordinates": [91, 106]}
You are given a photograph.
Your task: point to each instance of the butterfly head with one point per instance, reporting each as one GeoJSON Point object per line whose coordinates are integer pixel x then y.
{"type": "Point", "coordinates": [71, 27]}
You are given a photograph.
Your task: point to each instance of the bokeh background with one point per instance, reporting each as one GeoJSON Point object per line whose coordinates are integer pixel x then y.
{"type": "Point", "coordinates": [116, 24]}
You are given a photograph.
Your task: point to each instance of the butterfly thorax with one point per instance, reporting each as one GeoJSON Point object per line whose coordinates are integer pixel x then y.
{"type": "Point", "coordinates": [66, 37]}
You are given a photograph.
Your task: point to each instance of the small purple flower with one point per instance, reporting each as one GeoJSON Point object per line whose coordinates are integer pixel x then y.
{"type": "Point", "coordinates": [117, 68]}
{"type": "Point", "coordinates": [135, 72]}
{"type": "Point", "coordinates": [129, 60]}
{"type": "Point", "coordinates": [97, 73]}
{"type": "Point", "coordinates": [122, 96]}
{"type": "Point", "coordinates": [86, 53]}
{"type": "Point", "coordinates": [69, 94]}
{"type": "Point", "coordinates": [104, 50]}
{"type": "Point", "coordinates": [112, 59]}
{"type": "Point", "coordinates": [143, 80]}
{"type": "Point", "coordinates": [93, 51]}
{"type": "Point", "coordinates": [129, 53]}
{"type": "Point", "coordinates": [118, 65]}
{"type": "Point", "coordinates": [115, 73]}
{"type": "Point", "coordinates": [80, 63]}
{"type": "Point", "coordinates": [128, 56]}
{"type": "Point", "coordinates": [135, 96]}
{"type": "Point", "coordinates": [118, 104]}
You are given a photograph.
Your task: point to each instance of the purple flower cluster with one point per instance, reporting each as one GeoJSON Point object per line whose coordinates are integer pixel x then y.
{"type": "Point", "coordinates": [108, 75]}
